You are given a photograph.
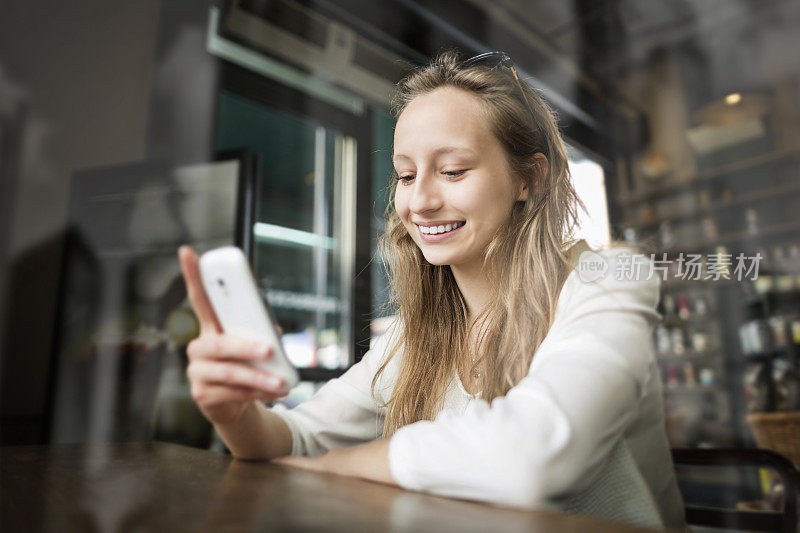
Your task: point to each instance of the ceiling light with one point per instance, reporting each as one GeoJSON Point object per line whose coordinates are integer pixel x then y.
{"type": "Point", "coordinates": [733, 98]}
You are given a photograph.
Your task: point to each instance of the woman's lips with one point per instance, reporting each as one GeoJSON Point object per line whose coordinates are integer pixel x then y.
{"type": "Point", "coordinates": [427, 237]}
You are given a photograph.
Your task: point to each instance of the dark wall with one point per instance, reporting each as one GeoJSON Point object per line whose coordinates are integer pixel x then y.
{"type": "Point", "coordinates": [75, 81]}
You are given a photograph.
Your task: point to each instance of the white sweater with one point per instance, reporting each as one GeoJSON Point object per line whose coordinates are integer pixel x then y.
{"type": "Point", "coordinates": [582, 432]}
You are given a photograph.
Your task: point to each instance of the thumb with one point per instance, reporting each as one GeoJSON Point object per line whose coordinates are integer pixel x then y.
{"type": "Point", "coordinates": [197, 294]}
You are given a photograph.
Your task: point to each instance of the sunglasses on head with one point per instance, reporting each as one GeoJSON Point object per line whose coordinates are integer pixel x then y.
{"type": "Point", "coordinates": [498, 59]}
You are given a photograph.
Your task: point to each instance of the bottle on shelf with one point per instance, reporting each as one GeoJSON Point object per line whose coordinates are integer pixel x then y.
{"type": "Point", "coordinates": [683, 306]}
{"type": "Point", "coordinates": [689, 374]}
{"type": "Point", "coordinates": [751, 221]}
{"type": "Point", "coordinates": [668, 305]}
{"type": "Point", "coordinates": [672, 377]}
{"type": "Point", "coordinates": [629, 235]}
{"type": "Point", "coordinates": [700, 305]}
{"type": "Point", "coordinates": [700, 341]}
{"type": "Point", "coordinates": [784, 277]}
{"type": "Point", "coordinates": [666, 234]}
{"type": "Point", "coordinates": [786, 384]}
{"type": "Point", "coordinates": [710, 228]}
{"type": "Point", "coordinates": [663, 340]}
{"type": "Point", "coordinates": [758, 387]}
{"type": "Point", "coordinates": [793, 263]}
{"type": "Point", "coordinates": [678, 341]}
{"type": "Point", "coordinates": [727, 195]}
{"type": "Point", "coordinates": [755, 337]}
{"type": "Point", "coordinates": [706, 377]}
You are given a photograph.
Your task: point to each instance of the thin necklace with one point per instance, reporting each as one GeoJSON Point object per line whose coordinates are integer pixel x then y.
{"type": "Point", "coordinates": [475, 374]}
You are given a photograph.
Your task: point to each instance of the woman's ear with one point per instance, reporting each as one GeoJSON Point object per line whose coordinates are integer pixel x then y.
{"type": "Point", "coordinates": [541, 167]}
{"type": "Point", "coordinates": [522, 194]}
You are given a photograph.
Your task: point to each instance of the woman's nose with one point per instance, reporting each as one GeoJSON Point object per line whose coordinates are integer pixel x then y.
{"type": "Point", "coordinates": [425, 194]}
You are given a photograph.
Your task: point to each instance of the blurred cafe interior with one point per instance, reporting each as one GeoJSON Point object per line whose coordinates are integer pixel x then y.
{"type": "Point", "coordinates": [130, 128]}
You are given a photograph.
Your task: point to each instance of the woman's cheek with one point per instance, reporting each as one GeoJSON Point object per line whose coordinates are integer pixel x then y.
{"type": "Point", "coordinates": [401, 206]}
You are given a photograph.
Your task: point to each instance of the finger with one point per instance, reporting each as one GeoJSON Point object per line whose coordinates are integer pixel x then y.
{"type": "Point", "coordinates": [296, 461]}
{"type": "Point", "coordinates": [208, 371]}
{"type": "Point", "coordinates": [197, 294]}
{"type": "Point", "coordinates": [224, 346]}
{"type": "Point", "coordinates": [288, 460]}
{"type": "Point", "coordinates": [212, 395]}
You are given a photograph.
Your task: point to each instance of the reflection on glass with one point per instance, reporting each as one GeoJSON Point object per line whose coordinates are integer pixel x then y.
{"type": "Point", "coordinates": [382, 138]}
{"type": "Point", "coordinates": [123, 321]}
{"type": "Point", "coordinates": [304, 225]}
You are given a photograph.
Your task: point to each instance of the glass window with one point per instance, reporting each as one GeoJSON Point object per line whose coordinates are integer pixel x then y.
{"type": "Point", "coordinates": [382, 140]}
{"type": "Point", "coordinates": [303, 225]}
{"type": "Point", "coordinates": [588, 179]}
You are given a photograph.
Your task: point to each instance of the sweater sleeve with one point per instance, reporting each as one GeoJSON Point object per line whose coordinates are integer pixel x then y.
{"type": "Point", "coordinates": [553, 431]}
{"type": "Point", "coordinates": [342, 412]}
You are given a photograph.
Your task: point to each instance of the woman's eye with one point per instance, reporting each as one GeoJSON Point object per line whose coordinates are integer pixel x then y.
{"type": "Point", "coordinates": [407, 178]}
{"type": "Point", "coordinates": [453, 173]}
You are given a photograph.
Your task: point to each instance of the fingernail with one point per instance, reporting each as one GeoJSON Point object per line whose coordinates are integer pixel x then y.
{"type": "Point", "coordinates": [273, 382]}
{"type": "Point", "coordinates": [262, 351]}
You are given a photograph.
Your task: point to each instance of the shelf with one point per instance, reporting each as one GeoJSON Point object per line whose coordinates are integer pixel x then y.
{"type": "Point", "coordinates": [696, 389]}
{"type": "Point", "coordinates": [684, 284]}
{"type": "Point", "coordinates": [298, 301]}
{"type": "Point", "coordinates": [731, 238]}
{"type": "Point", "coordinates": [688, 355]}
{"type": "Point", "coordinates": [766, 356]}
{"type": "Point", "coordinates": [755, 196]}
{"type": "Point", "coordinates": [283, 236]}
{"type": "Point", "coordinates": [709, 175]}
{"type": "Point", "coordinates": [777, 229]}
{"type": "Point", "coordinates": [691, 319]}
{"type": "Point", "coordinates": [705, 284]}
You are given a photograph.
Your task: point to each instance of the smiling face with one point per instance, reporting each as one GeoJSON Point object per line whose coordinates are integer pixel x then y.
{"type": "Point", "coordinates": [455, 186]}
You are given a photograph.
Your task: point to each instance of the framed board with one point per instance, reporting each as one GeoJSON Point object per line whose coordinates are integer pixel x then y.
{"type": "Point", "coordinates": [123, 319]}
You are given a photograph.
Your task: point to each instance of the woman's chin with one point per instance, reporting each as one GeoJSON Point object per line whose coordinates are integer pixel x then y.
{"type": "Point", "coordinates": [437, 259]}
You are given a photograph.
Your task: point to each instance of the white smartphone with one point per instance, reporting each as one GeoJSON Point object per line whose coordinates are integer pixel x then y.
{"type": "Point", "coordinates": [241, 310]}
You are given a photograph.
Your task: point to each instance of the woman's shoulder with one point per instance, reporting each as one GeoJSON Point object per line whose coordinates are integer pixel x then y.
{"type": "Point", "coordinates": [606, 307]}
{"type": "Point", "coordinates": [385, 338]}
{"type": "Point", "coordinates": [617, 275]}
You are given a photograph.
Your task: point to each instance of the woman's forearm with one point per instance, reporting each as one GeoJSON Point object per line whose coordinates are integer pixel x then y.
{"type": "Point", "coordinates": [367, 461]}
{"type": "Point", "coordinates": [257, 434]}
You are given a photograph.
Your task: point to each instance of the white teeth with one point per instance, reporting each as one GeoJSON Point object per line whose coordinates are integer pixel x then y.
{"type": "Point", "coordinates": [435, 230]}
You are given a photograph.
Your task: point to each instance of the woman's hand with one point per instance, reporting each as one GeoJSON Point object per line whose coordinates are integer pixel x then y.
{"type": "Point", "coordinates": [323, 463]}
{"type": "Point", "coordinates": [223, 384]}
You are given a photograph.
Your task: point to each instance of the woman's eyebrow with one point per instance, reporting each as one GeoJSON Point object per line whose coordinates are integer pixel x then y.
{"type": "Point", "coordinates": [439, 151]}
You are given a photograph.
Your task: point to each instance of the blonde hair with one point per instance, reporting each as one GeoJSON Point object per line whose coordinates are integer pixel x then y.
{"type": "Point", "coordinates": [527, 260]}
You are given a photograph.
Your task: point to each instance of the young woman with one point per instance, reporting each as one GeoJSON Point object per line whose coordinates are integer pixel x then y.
{"type": "Point", "coordinates": [508, 377]}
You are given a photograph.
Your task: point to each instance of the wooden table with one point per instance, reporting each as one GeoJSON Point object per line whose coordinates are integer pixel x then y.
{"type": "Point", "coordinates": [165, 487]}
